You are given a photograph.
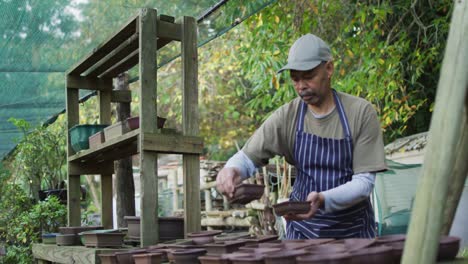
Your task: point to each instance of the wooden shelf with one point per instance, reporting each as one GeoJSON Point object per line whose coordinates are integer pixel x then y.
{"type": "Point", "coordinates": [127, 145]}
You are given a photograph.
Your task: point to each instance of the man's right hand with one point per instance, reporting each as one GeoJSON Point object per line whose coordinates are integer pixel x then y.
{"type": "Point", "coordinates": [227, 180]}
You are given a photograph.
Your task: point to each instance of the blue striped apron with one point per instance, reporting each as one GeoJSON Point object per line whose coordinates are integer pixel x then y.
{"type": "Point", "coordinates": [323, 164]}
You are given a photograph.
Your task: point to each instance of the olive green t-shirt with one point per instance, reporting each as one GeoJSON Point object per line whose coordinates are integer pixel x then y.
{"type": "Point", "coordinates": [277, 135]}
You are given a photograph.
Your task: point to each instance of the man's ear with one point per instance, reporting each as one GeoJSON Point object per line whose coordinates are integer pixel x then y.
{"type": "Point", "coordinates": [329, 68]}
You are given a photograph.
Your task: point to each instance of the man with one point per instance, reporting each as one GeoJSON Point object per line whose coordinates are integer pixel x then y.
{"type": "Point", "coordinates": [332, 138]}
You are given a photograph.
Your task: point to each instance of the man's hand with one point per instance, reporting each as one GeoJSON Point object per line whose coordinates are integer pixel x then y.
{"type": "Point", "coordinates": [227, 180]}
{"type": "Point", "coordinates": [316, 201]}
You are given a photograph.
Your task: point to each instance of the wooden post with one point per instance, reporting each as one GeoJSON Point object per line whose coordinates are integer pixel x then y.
{"type": "Point", "coordinates": [175, 189]}
{"type": "Point", "coordinates": [191, 163]}
{"type": "Point", "coordinates": [124, 185]}
{"type": "Point", "coordinates": [73, 193]}
{"type": "Point", "coordinates": [444, 135]}
{"type": "Point", "coordinates": [149, 228]}
{"type": "Point", "coordinates": [104, 97]}
{"type": "Point", "coordinates": [459, 174]}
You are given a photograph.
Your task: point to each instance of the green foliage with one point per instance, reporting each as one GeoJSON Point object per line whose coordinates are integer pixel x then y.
{"type": "Point", "coordinates": [39, 161]}
{"type": "Point", "coordinates": [23, 222]}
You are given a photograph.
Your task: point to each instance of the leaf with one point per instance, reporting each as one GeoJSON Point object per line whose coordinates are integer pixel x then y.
{"type": "Point", "coordinates": [350, 53]}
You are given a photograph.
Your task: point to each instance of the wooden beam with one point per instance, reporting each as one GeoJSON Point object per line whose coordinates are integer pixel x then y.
{"type": "Point", "coordinates": [122, 51]}
{"type": "Point", "coordinates": [170, 143]}
{"type": "Point", "coordinates": [444, 135]}
{"type": "Point", "coordinates": [78, 169]}
{"type": "Point", "coordinates": [104, 98]}
{"type": "Point", "coordinates": [191, 163]}
{"type": "Point", "coordinates": [149, 227]}
{"type": "Point", "coordinates": [118, 96]}
{"type": "Point", "coordinates": [106, 47]}
{"type": "Point", "coordinates": [169, 30]}
{"type": "Point", "coordinates": [88, 83]}
{"type": "Point", "coordinates": [73, 193]}
{"type": "Point", "coordinates": [459, 174]}
{"type": "Point", "coordinates": [109, 148]}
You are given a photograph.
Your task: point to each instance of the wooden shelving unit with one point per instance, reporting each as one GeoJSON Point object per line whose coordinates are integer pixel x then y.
{"type": "Point", "coordinates": [136, 43]}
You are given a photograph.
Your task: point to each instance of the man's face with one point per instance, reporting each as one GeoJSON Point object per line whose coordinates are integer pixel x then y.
{"type": "Point", "coordinates": [313, 85]}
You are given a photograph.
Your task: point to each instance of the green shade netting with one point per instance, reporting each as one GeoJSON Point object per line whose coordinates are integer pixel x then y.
{"type": "Point", "coordinates": [40, 40]}
{"type": "Point", "coordinates": [394, 193]}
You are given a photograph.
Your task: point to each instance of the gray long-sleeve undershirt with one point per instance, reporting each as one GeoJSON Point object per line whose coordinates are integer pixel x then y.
{"type": "Point", "coordinates": [339, 198]}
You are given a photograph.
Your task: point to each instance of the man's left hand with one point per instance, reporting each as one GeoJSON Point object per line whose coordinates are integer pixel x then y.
{"type": "Point", "coordinates": [316, 201]}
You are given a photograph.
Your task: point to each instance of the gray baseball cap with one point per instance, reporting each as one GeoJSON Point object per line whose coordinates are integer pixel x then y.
{"type": "Point", "coordinates": [307, 53]}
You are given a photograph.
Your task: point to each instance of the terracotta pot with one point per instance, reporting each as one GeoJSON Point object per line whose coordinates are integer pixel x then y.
{"type": "Point", "coordinates": [379, 254]}
{"type": "Point", "coordinates": [68, 240]}
{"type": "Point", "coordinates": [291, 207]}
{"type": "Point", "coordinates": [231, 236]}
{"type": "Point", "coordinates": [126, 257]}
{"type": "Point", "coordinates": [213, 260]}
{"type": "Point", "coordinates": [78, 229]}
{"type": "Point", "coordinates": [264, 251]}
{"type": "Point", "coordinates": [203, 237]}
{"type": "Point", "coordinates": [187, 256]}
{"type": "Point", "coordinates": [220, 248]}
{"type": "Point", "coordinates": [96, 139]}
{"type": "Point", "coordinates": [327, 249]}
{"type": "Point", "coordinates": [103, 239]}
{"type": "Point", "coordinates": [133, 224]}
{"type": "Point", "coordinates": [134, 122]}
{"type": "Point", "coordinates": [284, 256]}
{"type": "Point", "coordinates": [353, 244]}
{"type": "Point", "coordinates": [397, 250]}
{"type": "Point", "coordinates": [149, 258]}
{"type": "Point", "coordinates": [246, 259]}
{"type": "Point", "coordinates": [259, 239]}
{"type": "Point", "coordinates": [338, 258]}
{"type": "Point", "coordinates": [161, 251]}
{"type": "Point", "coordinates": [245, 193]}
{"type": "Point", "coordinates": [108, 259]}
{"type": "Point", "coordinates": [448, 247]}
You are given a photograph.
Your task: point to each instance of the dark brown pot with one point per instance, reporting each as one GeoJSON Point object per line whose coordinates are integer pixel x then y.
{"type": "Point", "coordinates": [171, 228]}
{"type": "Point", "coordinates": [231, 236]}
{"type": "Point", "coordinates": [246, 259]}
{"type": "Point", "coordinates": [108, 259]}
{"type": "Point", "coordinates": [338, 258]}
{"type": "Point", "coordinates": [245, 193]}
{"type": "Point", "coordinates": [78, 229]}
{"type": "Point", "coordinates": [126, 257]}
{"type": "Point", "coordinates": [391, 238]}
{"type": "Point", "coordinates": [284, 256]}
{"type": "Point", "coordinates": [67, 239]}
{"type": "Point", "coordinates": [328, 249]}
{"type": "Point", "coordinates": [220, 248]}
{"type": "Point", "coordinates": [260, 239]}
{"type": "Point", "coordinates": [397, 250]}
{"type": "Point", "coordinates": [354, 244]}
{"type": "Point", "coordinates": [213, 260]}
{"type": "Point", "coordinates": [149, 258]}
{"type": "Point", "coordinates": [187, 256]}
{"type": "Point", "coordinates": [448, 248]}
{"type": "Point", "coordinates": [203, 237]}
{"type": "Point", "coordinates": [379, 254]}
{"type": "Point", "coordinates": [161, 251]}
{"type": "Point", "coordinates": [133, 224]}
{"type": "Point", "coordinates": [291, 207]}
{"type": "Point", "coordinates": [114, 240]}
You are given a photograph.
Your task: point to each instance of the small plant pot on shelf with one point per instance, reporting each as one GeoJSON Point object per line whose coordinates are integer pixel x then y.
{"type": "Point", "coordinates": [187, 256]}
{"type": "Point", "coordinates": [108, 258]}
{"type": "Point", "coordinates": [379, 254]}
{"type": "Point", "coordinates": [448, 248]}
{"type": "Point", "coordinates": [171, 228]}
{"type": "Point", "coordinates": [133, 123]}
{"type": "Point", "coordinates": [49, 238]}
{"type": "Point", "coordinates": [115, 130]}
{"type": "Point", "coordinates": [133, 223]}
{"type": "Point", "coordinates": [219, 248]}
{"type": "Point", "coordinates": [291, 207]}
{"type": "Point", "coordinates": [78, 229]}
{"type": "Point", "coordinates": [79, 135]}
{"type": "Point", "coordinates": [245, 193]}
{"type": "Point", "coordinates": [102, 238]}
{"type": "Point", "coordinates": [96, 139]}
{"type": "Point", "coordinates": [338, 258]}
{"type": "Point", "coordinates": [68, 240]}
{"type": "Point", "coordinates": [126, 257]}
